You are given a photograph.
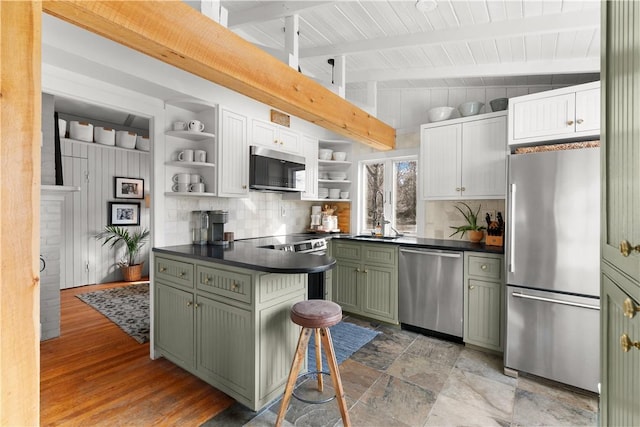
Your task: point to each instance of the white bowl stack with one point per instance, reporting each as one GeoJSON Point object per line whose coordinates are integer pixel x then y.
{"type": "Point", "coordinates": [334, 193]}
{"type": "Point", "coordinates": [323, 193]}
{"type": "Point", "coordinates": [439, 113]}
{"type": "Point", "coordinates": [340, 156]}
{"type": "Point", "coordinates": [337, 176]}
{"type": "Point", "coordinates": [324, 154]}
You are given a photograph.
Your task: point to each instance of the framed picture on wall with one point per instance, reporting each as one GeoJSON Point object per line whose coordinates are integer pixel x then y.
{"type": "Point", "coordinates": [124, 213]}
{"type": "Point", "coordinates": [129, 188]}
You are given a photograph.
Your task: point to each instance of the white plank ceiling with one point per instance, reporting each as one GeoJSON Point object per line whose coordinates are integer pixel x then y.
{"type": "Point", "coordinates": [460, 43]}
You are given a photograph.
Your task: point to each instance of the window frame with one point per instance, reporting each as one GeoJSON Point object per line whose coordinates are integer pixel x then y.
{"type": "Point", "coordinates": [389, 159]}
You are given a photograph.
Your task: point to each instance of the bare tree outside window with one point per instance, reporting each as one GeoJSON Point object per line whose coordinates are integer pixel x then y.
{"type": "Point", "coordinates": [392, 200]}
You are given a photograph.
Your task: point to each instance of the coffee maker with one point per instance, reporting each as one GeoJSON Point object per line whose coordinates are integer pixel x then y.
{"type": "Point", "coordinates": [199, 227]}
{"type": "Point", "coordinates": [216, 231]}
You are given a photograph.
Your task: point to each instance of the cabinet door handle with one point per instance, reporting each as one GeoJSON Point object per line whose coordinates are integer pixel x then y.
{"type": "Point", "coordinates": [244, 187]}
{"type": "Point", "coordinates": [196, 305]}
{"type": "Point", "coordinates": [457, 188]}
{"type": "Point", "coordinates": [163, 269]}
{"type": "Point", "coordinates": [463, 188]}
{"type": "Point", "coordinates": [189, 304]}
{"type": "Point", "coordinates": [183, 273]}
{"type": "Point", "coordinates": [579, 121]}
{"type": "Point", "coordinates": [471, 287]}
{"type": "Point", "coordinates": [207, 280]}
{"type": "Point", "coordinates": [626, 343]}
{"type": "Point", "coordinates": [483, 267]}
{"type": "Point", "coordinates": [626, 248]}
{"type": "Point", "coordinates": [629, 308]}
{"type": "Point", "coordinates": [357, 270]}
{"type": "Point", "coordinates": [365, 271]}
{"type": "Point", "coordinates": [235, 286]}
{"type": "Point", "coordinates": [570, 123]}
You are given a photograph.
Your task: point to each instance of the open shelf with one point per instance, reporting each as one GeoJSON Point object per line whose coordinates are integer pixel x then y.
{"type": "Point", "coordinates": [190, 164]}
{"type": "Point", "coordinates": [185, 194]}
{"type": "Point", "coordinates": [190, 135]}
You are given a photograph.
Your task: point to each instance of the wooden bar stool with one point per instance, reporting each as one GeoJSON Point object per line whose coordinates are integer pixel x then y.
{"type": "Point", "coordinates": [317, 316]}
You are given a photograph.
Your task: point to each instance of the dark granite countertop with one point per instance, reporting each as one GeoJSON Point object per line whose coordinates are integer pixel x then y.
{"type": "Point", "coordinates": [252, 254]}
{"type": "Point", "coordinates": [247, 254]}
{"type": "Point", "coordinates": [417, 242]}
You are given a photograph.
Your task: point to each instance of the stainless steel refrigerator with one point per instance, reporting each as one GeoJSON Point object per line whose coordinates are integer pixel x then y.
{"type": "Point", "coordinates": [553, 266]}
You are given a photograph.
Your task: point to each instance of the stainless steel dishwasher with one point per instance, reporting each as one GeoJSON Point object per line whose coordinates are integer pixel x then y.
{"type": "Point", "coordinates": [430, 290]}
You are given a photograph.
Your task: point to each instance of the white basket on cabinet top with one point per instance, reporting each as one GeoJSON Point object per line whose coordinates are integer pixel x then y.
{"type": "Point", "coordinates": [126, 139]}
{"type": "Point", "coordinates": [104, 136]}
{"type": "Point", "coordinates": [82, 131]}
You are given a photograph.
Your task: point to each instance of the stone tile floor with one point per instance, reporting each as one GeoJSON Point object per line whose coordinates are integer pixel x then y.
{"type": "Point", "coordinates": [401, 378]}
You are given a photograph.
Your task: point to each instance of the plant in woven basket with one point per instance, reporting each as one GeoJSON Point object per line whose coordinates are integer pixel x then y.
{"type": "Point", "coordinates": [133, 241]}
{"type": "Point", "coordinates": [475, 230]}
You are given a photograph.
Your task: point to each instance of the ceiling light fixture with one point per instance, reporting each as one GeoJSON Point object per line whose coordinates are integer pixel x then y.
{"type": "Point", "coordinates": [426, 5]}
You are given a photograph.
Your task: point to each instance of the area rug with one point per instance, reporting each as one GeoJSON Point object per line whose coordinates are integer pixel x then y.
{"type": "Point", "coordinates": [127, 307]}
{"type": "Point", "coordinates": [347, 339]}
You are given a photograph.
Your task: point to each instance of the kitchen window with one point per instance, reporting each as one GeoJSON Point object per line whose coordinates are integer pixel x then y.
{"type": "Point", "coordinates": [388, 195]}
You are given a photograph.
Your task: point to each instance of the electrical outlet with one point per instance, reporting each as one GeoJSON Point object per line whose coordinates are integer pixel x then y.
{"type": "Point", "coordinates": [283, 211]}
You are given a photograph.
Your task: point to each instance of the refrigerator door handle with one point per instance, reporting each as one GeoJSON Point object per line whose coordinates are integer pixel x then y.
{"type": "Point", "coordinates": [555, 301]}
{"type": "Point", "coordinates": [512, 237]}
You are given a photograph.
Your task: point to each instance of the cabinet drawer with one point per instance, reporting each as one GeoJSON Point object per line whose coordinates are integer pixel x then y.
{"type": "Point", "coordinates": [225, 283]}
{"type": "Point", "coordinates": [344, 250]}
{"type": "Point", "coordinates": [380, 254]}
{"type": "Point", "coordinates": [490, 268]}
{"type": "Point", "coordinates": [178, 272]}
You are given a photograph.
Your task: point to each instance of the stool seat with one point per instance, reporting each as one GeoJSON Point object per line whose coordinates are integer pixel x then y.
{"type": "Point", "coordinates": [316, 313]}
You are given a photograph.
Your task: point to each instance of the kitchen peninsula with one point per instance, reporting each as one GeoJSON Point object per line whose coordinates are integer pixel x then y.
{"type": "Point", "coordinates": [222, 313]}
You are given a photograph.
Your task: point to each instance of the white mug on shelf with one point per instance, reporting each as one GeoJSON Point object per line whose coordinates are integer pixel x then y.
{"type": "Point", "coordinates": [197, 187]}
{"type": "Point", "coordinates": [195, 178]}
{"type": "Point", "coordinates": [182, 178]}
{"type": "Point", "coordinates": [200, 156]}
{"type": "Point", "coordinates": [180, 187]}
{"type": "Point", "coordinates": [196, 126]}
{"type": "Point", "coordinates": [179, 125]}
{"type": "Point", "coordinates": [185, 156]}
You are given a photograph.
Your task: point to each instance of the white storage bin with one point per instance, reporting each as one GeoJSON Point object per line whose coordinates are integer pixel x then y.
{"type": "Point", "coordinates": [126, 139]}
{"type": "Point", "coordinates": [82, 131]}
{"type": "Point", "coordinates": [62, 128]}
{"type": "Point", "coordinates": [142, 143]}
{"type": "Point", "coordinates": [104, 136]}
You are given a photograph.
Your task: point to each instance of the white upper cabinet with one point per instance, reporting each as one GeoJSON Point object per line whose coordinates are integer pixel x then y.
{"type": "Point", "coordinates": [275, 137]}
{"type": "Point", "coordinates": [464, 158]}
{"type": "Point", "coordinates": [233, 155]}
{"type": "Point", "coordinates": [567, 113]}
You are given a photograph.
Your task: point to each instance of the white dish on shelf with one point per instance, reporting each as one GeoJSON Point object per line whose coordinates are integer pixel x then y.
{"type": "Point", "coordinates": [325, 154]}
{"type": "Point", "coordinates": [340, 156]}
{"type": "Point", "coordinates": [439, 114]}
{"type": "Point", "coordinates": [470, 108]}
{"type": "Point", "coordinates": [337, 176]}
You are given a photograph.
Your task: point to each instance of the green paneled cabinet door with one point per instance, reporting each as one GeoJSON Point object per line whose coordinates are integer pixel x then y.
{"type": "Point", "coordinates": [174, 323]}
{"type": "Point", "coordinates": [484, 300]}
{"type": "Point", "coordinates": [620, 130]}
{"type": "Point", "coordinates": [620, 336]}
{"type": "Point", "coordinates": [365, 280]}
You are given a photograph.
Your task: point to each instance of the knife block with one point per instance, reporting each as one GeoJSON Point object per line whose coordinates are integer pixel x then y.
{"type": "Point", "coordinates": [494, 240]}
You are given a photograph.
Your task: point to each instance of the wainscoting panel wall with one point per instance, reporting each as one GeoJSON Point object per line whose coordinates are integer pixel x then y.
{"type": "Point", "coordinates": [92, 167]}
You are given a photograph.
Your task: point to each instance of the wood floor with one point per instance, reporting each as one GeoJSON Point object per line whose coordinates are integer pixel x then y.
{"type": "Point", "coordinates": [94, 374]}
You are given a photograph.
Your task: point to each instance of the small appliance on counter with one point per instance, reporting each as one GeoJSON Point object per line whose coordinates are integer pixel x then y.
{"type": "Point", "coordinates": [216, 231]}
{"type": "Point", "coordinates": [199, 227]}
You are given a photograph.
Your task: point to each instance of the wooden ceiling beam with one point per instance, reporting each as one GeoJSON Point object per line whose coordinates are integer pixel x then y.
{"type": "Point", "coordinates": [175, 33]}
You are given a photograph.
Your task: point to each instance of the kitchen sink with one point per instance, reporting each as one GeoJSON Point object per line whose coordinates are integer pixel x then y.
{"type": "Point", "coordinates": [370, 237]}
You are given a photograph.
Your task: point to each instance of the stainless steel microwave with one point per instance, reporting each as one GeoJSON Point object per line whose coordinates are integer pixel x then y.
{"type": "Point", "coordinates": [271, 170]}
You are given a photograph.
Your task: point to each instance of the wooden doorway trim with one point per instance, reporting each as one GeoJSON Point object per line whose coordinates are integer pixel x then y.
{"type": "Point", "coordinates": [20, 122]}
{"type": "Point", "coordinates": [177, 34]}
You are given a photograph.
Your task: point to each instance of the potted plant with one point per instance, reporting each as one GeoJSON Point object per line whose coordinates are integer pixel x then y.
{"type": "Point", "coordinates": [133, 242]}
{"type": "Point", "coordinates": [476, 232]}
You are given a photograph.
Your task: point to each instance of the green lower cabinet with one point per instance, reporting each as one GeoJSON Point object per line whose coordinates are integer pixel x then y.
{"type": "Point", "coordinates": [365, 280]}
{"type": "Point", "coordinates": [620, 369]}
{"type": "Point", "coordinates": [174, 329]}
{"type": "Point", "coordinates": [229, 326]}
{"type": "Point", "coordinates": [225, 344]}
{"type": "Point", "coordinates": [484, 300]}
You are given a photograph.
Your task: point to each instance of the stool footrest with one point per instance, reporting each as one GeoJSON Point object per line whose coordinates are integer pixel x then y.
{"type": "Point", "coordinates": [312, 402]}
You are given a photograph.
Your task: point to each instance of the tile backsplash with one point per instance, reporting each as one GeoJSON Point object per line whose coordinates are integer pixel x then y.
{"type": "Point", "coordinates": [441, 215]}
{"type": "Point", "coordinates": [260, 214]}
